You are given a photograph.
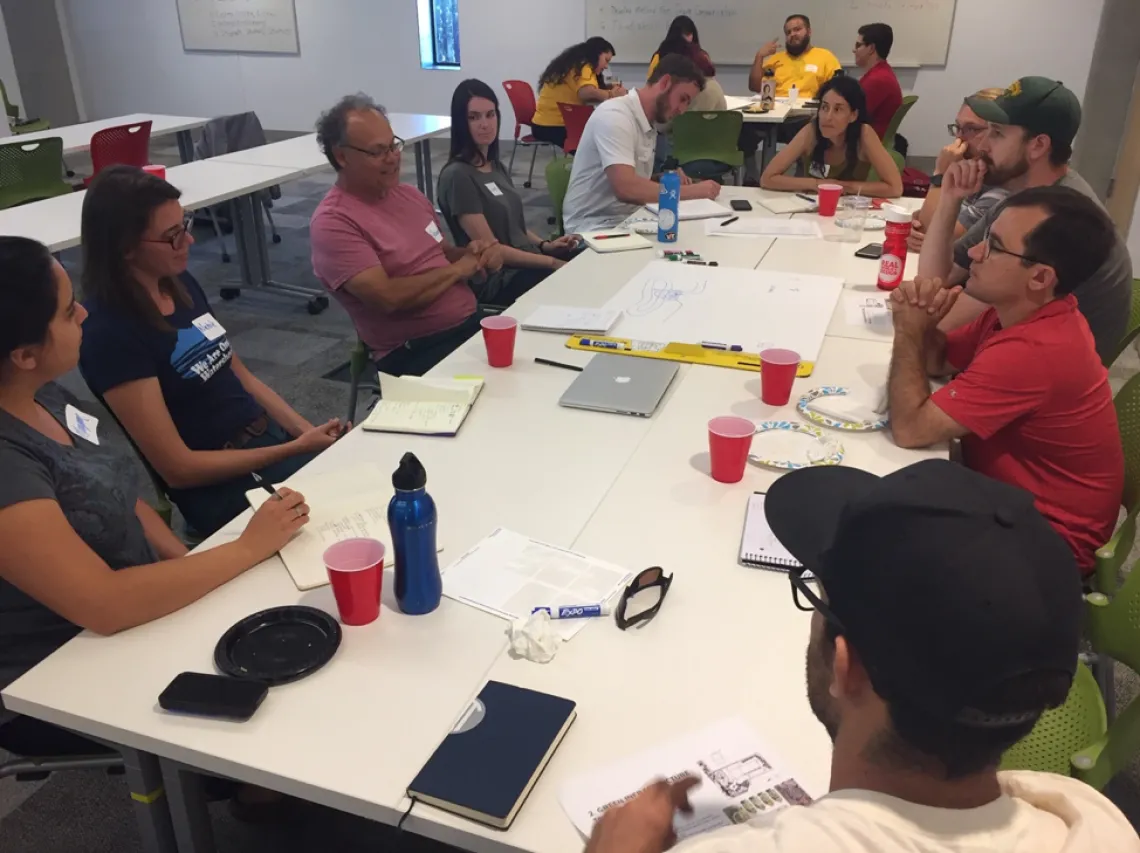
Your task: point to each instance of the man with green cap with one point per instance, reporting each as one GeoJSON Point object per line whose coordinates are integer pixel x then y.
{"type": "Point", "coordinates": [1028, 143]}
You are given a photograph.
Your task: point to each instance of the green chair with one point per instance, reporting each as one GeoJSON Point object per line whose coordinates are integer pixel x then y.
{"type": "Point", "coordinates": [31, 171]}
{"type": "Point", "coordinates": [705, 143]}
{"type": "Point", "coordinates": [897, 119]}
{"type": "Point", "coordinates": [1133, 325]}
{"type": "Point", "coordinates": [558, 182]}
{"type": "Point", "coordinates": [21, 126]}
{"type": "Point", "coordinates": [1111, 556]}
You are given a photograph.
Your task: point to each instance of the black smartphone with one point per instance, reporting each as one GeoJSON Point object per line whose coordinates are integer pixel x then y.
{"type": "Point", "coordinates": [872, 251]}
{"type": "Point", "coordinates": [207, 695]}
{"type": "Point", "coordinates": [740, 204]}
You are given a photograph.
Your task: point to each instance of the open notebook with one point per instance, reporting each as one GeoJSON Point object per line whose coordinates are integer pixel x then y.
{"type": "Point", "coordinates": [566, 319]}
{"type": "Point", "coordinates": [759, 546]}
{"type": "Point", "coordinates": [697, 208]}
{"type": "Point", "coordinates": [423, 405]}
{"type": "Point", "coordinates": [788, 203]}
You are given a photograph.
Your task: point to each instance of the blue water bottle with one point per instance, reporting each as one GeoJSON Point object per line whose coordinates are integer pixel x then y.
{"type": "Point", "coordinates": [668, 203]}
{"type": "Point", "coordinates": [411, 518]}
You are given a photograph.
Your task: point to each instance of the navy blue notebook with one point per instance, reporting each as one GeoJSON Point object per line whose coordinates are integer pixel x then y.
{"type": "Point", "coordinates": [485, 768]}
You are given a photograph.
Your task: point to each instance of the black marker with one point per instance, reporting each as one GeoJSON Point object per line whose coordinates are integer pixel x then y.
{"type": "Point", "coordinates": [563, 365]}
{"type": "Point", "coordinates": [703, 263]}
{"type": "Point", "coordinates": [257, 478]}
{"type": "Point", "coordinates": [729, 221]}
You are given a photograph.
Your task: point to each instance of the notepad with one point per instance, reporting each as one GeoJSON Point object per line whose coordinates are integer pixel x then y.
{"type": "Point", "coordinates": [790, 203]}
{"type": "Point", "coordinates": [568, 320]}
{"type": "Point", "coordinates": [485, 769]}
{"type": "Point", "coordinates": [759, 546]}
{"type": "Point", "coordinates": [697, 208]}
{"type": "Point", "coordinates": [423, 405]}
{"type": "Point", "coordinates": [615, 240]}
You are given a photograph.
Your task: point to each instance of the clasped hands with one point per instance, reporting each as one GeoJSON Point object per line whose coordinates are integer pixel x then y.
{"type": "Point", "coordinates": [919, 305]}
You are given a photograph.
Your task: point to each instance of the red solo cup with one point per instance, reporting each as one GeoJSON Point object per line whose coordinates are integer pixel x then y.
{"type": "Point", "coordinates": [356, 570]}
{"type": "Point", "coordinates": [730, 439]}
{"type": "Point", "coordinates": [777, 371]}
{"type": "Point", "coordinates": [499, 335]}
{"type": "Point", "coordinates": [829, 198]}
{"type": "Point", "coordinates": [156, 170]}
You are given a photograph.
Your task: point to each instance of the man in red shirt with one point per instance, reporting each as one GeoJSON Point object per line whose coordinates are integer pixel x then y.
{"type": "Point", "coordinates": [1031, 400]}
{"type": "Point", "coordinates": [880, 85]}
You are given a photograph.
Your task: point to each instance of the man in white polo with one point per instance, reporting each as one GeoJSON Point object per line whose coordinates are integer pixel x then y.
{"type": "Point", "coordinates": [613, 166]}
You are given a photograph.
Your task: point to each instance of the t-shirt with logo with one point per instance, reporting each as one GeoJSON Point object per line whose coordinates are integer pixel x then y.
{"type": "Point", "coordinates": [807, 72]}
{"type": "Point", "coordinates": [191, 361]}
{"type": "Point", "coordinates": [1039, 409]}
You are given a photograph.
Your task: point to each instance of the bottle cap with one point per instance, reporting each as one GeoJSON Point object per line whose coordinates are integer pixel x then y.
{"type": "Point", "coordinates": [895, 213]}
{"type": "Point", "coordinates": [671, 164]}
{"type": "Point", "coordinates": [410, 475]}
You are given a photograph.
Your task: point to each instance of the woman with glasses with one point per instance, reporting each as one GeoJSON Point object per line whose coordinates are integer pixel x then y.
{"type": "Point", "coordinates": [572, 77]}
{"type": "Point", "coordinates": [78, 548]}
{"type": "Point", "coordinates": [479, 200]}
{"type": "Point", "coordinates": [156, 355]}
{"type": "Point", "coordinates": [967, 129]}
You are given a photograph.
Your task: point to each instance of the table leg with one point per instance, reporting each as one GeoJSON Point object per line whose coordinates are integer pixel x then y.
{"type": "Point", "coordinates": [152, 810]}
{"type": "Point", "coordinates": [245, 252]}
{"type": "Point", "coordinates": [771, 131]}
{"type": "Point", "coordinates": [185, 145]}
{"type": "Point", "coordinates": [420, 169]}
{"type": "Point", "coordinates": [257, 217]}
{"type": "Point", "coordinates": [188, 813]}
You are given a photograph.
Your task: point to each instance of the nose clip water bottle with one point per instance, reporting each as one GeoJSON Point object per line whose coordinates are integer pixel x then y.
{"type": "Point", "coordinates": [412, 521]}
{"type": "Point", "coordinates": [668, 203]}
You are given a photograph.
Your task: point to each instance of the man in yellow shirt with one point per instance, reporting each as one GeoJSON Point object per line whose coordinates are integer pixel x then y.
{"type": "Point", "coordinates": [799, 64]}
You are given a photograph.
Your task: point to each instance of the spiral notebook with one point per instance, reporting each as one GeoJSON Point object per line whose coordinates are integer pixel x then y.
{"type": "Point", "coordinates": [759, 546]}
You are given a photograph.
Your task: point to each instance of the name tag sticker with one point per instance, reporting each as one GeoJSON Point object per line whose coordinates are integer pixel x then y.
{"type": "Point", "coordinates": [493, 188]}
{"type": "Point", "coordinates": [433, 230]}
{"type": "Point", "coordinates": [811, 68]}
{"type": "Point", "coordinates": [81, 424]}
{"type": "Point", "coordinates": [210, 328]}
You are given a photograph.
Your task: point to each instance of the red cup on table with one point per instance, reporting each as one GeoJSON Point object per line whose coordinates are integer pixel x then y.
{"type": "Point", "coordinates": [156, 170]}
{"type": "Point", "coordinates": [730, 439]}
{"type": "Point", "coordinates": [829, 198]}
{"type": "Point", "coordinates": [777, 372]}
{"type": "Point", "coordinates": [499, 335]}
{"type": "Point", "coordinates": [356, 570]}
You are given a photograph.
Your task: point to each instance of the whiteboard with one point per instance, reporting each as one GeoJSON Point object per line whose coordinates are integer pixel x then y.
{"type": "Point", "coordinates": [684, 303]}
{"type": "Point", "coordinates": [239, 26]}
{"type": "Point", "coordinates": [733, 30]}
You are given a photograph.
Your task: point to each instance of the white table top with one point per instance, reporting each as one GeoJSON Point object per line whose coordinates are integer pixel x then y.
{"type": "Point", "coordinates": [776, 115]}
{"type": "Point", "coordinates": [300, 152]}
{"type": "Point", "coordinates": [413, 127]}
{"type": "Point", "coordinates": [631, 490]}
{"type": "Point", "coordinates": [77, 137]}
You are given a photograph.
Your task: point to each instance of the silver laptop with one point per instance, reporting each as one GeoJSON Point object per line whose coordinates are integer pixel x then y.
{"type": "Point", "coordinates": [625, 384]}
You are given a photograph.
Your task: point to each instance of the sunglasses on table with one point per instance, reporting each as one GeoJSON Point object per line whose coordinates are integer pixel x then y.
{"type": "Point", "coordinates": [642, 598]}
{"type": "Point", "coordinates": [175, 237]}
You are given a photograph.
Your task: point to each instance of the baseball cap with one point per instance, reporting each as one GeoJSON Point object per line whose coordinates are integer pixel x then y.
{"type": "Point", "coordinates": [1038, 104]}
{"type": "Point", "coordinates": [949, 585]}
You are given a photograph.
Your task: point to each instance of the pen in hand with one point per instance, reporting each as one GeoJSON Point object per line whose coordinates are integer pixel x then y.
{"type": "Point", "coordinates": [257, 478]}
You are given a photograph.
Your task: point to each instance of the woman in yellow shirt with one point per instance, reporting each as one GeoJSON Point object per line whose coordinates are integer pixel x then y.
{"type": "Point", "coordinates": [683, 38]}
{"type": "Point", "coordinates": [572, 78]}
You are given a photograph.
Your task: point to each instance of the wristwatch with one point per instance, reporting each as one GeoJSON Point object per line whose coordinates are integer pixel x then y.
{"type": "Point", "coordinates": [936, 180]}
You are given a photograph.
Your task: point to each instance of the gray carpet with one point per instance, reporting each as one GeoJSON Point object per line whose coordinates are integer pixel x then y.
{"type": "Point", "coordinates": [291, 350]}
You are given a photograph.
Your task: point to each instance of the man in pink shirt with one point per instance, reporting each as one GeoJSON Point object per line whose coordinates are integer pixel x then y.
{"type": "Point", "coordinates": [378, 248]}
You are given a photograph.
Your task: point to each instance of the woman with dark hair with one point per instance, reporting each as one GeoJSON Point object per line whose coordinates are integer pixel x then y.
{"type": "Point", "coordinates": [479, 201]}
{"type": "Point", "coordinates": [78, 547]}
{"type": "Point", "coordinates": [837, 147]}
{"type": "Point", "coordinates": [682, 38]}
{"type": "Point", "coordinates": [572, 77]}
{"type": "Point", "coordinates": [162, 363]}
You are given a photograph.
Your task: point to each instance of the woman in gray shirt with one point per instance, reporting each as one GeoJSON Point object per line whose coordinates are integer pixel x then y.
{"type": "Point", "coordinates": [479, 201]}
{"type": "Point", "coordinates": [78, 548]}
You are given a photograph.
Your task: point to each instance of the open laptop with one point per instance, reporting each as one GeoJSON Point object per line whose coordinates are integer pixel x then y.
{"type": "Point", "coordinates": [626, 385]}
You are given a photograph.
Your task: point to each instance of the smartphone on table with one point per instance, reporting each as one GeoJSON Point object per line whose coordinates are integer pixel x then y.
{"type": "Point", "coordinates": [740, 204]}
{"type": "Point", "coordinates": [872, 251]}
{"type": "Point", "coordinates": [206, 695]}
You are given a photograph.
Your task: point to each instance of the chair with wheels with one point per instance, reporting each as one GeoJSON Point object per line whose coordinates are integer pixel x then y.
{"type": "Point", "coordinates": [359, 363]}
{"type": "Point", "coordinates": [521, 95]}
{"type": "Point", "coordinates": [17, 124]}
{"type": "Point", "coordinates": [896, 120]}
{"type": "Point", "coordinates": [558, 181]}
{"type": "Point", "coordinates": [704, 144]}
{"type": "Point", "coordinates": [574, 116]}
{"type": "Point", "coordinates": [31, 171]}
{"type": "Point", "coordinates": [127, 144]}
{"type": "Point", "coordinates": [1133, 325]}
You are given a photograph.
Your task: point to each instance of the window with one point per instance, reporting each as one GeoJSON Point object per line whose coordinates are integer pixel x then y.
{"type": "Point", "coordinates": [439, 33]}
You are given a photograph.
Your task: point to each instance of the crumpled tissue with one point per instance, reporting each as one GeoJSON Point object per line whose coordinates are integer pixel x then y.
{"type": "Point", "coordinates": [534, 638]}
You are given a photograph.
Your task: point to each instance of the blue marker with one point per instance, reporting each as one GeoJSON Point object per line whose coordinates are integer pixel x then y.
{"type": "Point", "coordinates": [586, 342]}
{"type": "Point", "coordinates": [575, 611]}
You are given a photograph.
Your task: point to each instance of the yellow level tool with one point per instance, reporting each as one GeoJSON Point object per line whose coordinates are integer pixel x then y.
{"type": "Point", "coordinates": [688, 353]}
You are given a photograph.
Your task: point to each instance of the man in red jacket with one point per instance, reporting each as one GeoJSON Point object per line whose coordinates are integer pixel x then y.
{"type": "Point", "coordinates": [880, 85]}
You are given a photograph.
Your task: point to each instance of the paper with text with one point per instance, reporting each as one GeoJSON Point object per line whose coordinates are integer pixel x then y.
{"type": "Point", "coordinates": [697, 208]}
{"type": "Point", "coordinates": [567, 320]}
{"type": "Point", "coordinates": [870, 311]}
{"type": "Point", "coordinates": [766, 226]}
{"type": "Point", "coordinates": [424, 406]}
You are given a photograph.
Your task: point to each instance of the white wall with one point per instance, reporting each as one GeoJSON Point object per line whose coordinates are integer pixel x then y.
{"type": "Point", "coordinates": [8, 69]}
{"type": "Point", "coordinates": [129, 58]}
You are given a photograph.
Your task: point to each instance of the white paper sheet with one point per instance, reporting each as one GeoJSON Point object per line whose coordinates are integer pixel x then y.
{"type": "Point", "coordinates": [697, 208]}
{"type": "Point", "coordinates": [787, 203]}
{"type": "Point", "coordinates": [508, 575]}
{"type": "Point", "coordinates": [766, 226]}
{"type": "Point", "coordinates": [740, 780]}
{"type": "Point", "coordinates": [567, 319]}
{"type": "Point", "coordinates": [869, 311]}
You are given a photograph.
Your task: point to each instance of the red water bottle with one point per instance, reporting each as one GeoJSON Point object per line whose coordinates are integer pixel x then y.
{"type": "Point", "coordinates": [892, 264]}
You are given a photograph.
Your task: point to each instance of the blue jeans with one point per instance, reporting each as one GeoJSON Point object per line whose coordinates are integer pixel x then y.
{"type": "Point", "coordinates": [208, 508]}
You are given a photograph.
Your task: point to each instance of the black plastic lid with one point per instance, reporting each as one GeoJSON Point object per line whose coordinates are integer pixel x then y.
{"type": "Point", "coordinates": [769, 72]}
{"type": "Point", "coordinates": [410, 475]}
{"type": "Point", "coordinates": [671, 164]}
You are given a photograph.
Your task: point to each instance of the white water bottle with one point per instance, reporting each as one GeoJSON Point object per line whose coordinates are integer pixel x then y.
{"type": "Point", "coordinates": [793, 95]}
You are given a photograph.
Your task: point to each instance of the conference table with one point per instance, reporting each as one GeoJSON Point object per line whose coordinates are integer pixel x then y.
{"type": "Point", "coordinates": [636, 492]}
{"type": "Point", "coordinates": [769, 121]}
{"type": "Point", "coordinates": [77, 137]}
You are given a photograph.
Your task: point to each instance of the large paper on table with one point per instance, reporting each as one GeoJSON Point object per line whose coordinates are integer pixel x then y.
{"type": "Point", "coordinates": [688, 304]}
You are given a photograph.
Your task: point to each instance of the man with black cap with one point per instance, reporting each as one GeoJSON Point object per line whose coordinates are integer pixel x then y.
{"type": "Point", "coordinates": [946, 620]}
{"type": "Point", "coordinates": [1028, 143]}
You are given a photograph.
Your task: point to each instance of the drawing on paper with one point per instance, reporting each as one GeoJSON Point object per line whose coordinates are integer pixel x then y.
{"type": "Point", "coordinates": [662, 298]}
{"type": "Point", "coordinates": [734, 778]}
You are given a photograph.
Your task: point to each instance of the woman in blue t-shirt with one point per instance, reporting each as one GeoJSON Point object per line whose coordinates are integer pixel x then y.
{"type": "Point", "coordinates": [160, 360]}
